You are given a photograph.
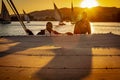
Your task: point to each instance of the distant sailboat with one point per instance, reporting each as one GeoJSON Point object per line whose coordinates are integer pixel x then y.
{"type": "Point", "coordinates": [5, 16]}
{"type": "Point", "coordinates": [58, 15]}
{"type": "Point", "coordinates": [26, 17]}
{"type": "Point", "coordinates": [72, 14]}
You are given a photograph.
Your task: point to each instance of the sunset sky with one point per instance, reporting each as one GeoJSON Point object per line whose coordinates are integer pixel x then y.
{"type": "Point", "coordinates": [37, 5]}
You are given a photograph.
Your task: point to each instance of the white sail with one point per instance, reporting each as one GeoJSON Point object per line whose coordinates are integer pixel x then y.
{"type": "Point", "coordinates": [58, 15]}
{"type": "Point", "coordinates": [5, 16]}
{"type": "Point", "coordinates": [26, 17]}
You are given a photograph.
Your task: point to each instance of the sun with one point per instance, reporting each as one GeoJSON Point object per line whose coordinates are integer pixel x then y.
{"type": "Point", "coordinates": [89, 3]}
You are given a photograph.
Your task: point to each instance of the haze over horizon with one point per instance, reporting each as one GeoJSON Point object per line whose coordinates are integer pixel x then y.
{"type": "Point", "coordinates": [37, 5]}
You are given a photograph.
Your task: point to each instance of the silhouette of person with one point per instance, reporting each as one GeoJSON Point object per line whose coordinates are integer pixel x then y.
{"type": "Point", "coordinates": [49, 30]}
{"type": "Point", "coordinates": [83, 25]}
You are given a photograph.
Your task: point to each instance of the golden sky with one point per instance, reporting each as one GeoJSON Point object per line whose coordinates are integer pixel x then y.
{"type": "Point", "coordinates": [32, 5]}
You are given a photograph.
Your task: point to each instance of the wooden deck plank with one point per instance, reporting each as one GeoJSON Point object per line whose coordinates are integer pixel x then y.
{"type": "Point", "coordinates": [81, 62]}
{"type": "Point", "coordinates": [12, 73]}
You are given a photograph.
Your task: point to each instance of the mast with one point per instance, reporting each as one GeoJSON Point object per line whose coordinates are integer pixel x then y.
{"type": "Point", "coordinates": [72, 13]}
{"type": "Point", "coordinates": [11, 4]}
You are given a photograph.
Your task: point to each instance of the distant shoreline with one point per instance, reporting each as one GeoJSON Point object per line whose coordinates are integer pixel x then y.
{"type": "Point", "coordinates": [96, 14]}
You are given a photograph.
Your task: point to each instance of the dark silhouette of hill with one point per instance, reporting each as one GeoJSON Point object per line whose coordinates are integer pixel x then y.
{"type": "Point", "coordinates": [96, 14]}
{"type": "Point", "coordinates": [110, 14]}
{"type": "Point", "coordinates": [42, 15]}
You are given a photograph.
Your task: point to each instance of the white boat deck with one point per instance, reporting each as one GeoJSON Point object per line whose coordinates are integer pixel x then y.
{"type": "Point", "coordinates": [84, 57]}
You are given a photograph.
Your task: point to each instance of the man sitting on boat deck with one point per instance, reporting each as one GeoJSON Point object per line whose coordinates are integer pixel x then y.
{"type": "Point", "coordinates": [49, 31]}
{"type": "Point", "coordinates": [83, 25]}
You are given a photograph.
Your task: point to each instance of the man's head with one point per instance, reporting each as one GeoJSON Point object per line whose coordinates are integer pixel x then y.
{"type": "Point", "coordinates": [49, 26]}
